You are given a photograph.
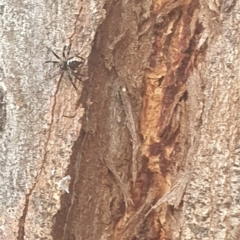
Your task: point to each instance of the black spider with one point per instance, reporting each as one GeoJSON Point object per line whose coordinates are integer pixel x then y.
{"type": "Point", "coordinates": [67, 64]}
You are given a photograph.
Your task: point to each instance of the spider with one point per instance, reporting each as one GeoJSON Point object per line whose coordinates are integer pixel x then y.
{"type": "Point", "coordinates": [68, 64]}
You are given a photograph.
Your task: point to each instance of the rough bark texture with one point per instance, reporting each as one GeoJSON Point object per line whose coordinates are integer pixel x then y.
{"type": "Point", "coordinates": [147, 148]}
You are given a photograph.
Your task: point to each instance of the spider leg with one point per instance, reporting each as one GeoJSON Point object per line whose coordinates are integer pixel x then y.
{"type": "Point", "coordinates": [69, 49]}
{"type": "Point", "coordinates": [63, 52]}
{"type": "Point", "coordinates": [76, 75]}
{"type": "Point", "coordinates": [58, 73]}
{"type": "Point", "coordinates": [53, 53]}
{"type": "Point", "coordinates": [51, 61]}
{"type": "Point", "coordinates": [81, 57]}
{"type": "Point", "coordinates": [71, 80]}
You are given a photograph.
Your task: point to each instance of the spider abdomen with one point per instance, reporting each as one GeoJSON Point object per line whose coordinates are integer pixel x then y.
{"type": "Point", "coordinates": [75, 62]}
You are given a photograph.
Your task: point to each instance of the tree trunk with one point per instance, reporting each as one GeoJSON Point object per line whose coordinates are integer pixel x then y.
{"type": "Point", "coordinates": [147, 146]}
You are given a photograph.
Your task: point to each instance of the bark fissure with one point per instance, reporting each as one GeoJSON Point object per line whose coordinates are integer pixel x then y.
{"type": "Point", "coordinates": [27, 196]}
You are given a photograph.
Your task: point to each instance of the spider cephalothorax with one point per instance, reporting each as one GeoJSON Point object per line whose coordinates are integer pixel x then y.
{"type": "Point", "coordinates": [67, 64]}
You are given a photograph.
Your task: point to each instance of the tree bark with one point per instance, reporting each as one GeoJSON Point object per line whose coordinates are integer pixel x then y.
{"type": "Point", "coordinates": [147, 147]}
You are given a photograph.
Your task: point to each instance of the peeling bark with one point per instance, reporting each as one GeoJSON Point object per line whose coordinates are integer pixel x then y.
{"type": "Point", "coordinates": [147, 148]}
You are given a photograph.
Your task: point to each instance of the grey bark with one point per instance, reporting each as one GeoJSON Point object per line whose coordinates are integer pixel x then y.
{"type": "Point", "coordinates": [211, 206]}
{"type": "Point", "coordinates": [36, 138]}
